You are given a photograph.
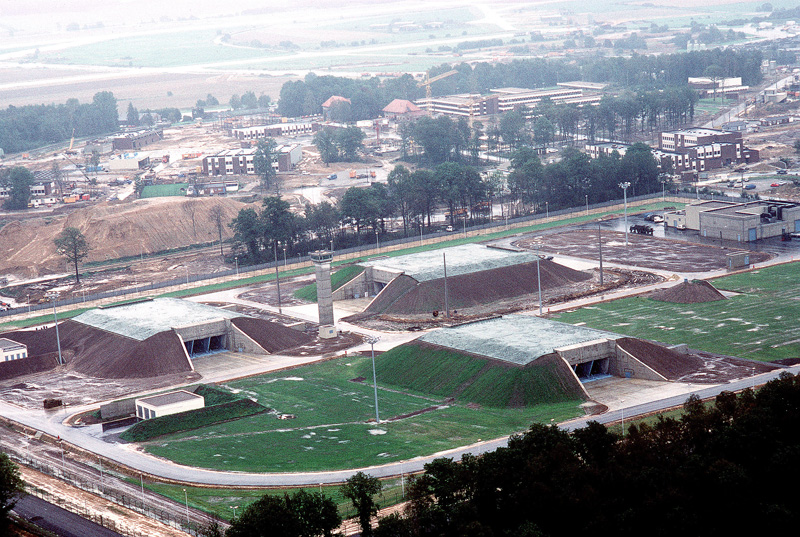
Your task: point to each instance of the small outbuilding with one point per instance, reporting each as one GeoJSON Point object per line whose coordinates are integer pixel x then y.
{"type": "Point", "coordinates": [11, 350]}
{"type": "Point", "coordinates": [165, 404]}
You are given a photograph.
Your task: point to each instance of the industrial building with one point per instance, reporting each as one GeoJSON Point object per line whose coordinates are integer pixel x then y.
{"type": "Point", "coordinates": [503, 100]}
{"type": "Point", "coordinates": [691, 151]}
{"type": "Point", "coordinates": [131, 141]}
{"type": "Point", "coordinates": [240, 161]}
{"type": "Point", "coordinates": [271, 131]}
{"type": "Point", "coordinates": [737, 221]}
{"type": "Point", "coordinates": [11, 350]}
{"type": "Point", "coordinates": [157, 406]}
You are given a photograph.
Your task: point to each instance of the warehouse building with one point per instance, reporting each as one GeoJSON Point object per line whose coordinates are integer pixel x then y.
{"type": "Point", "coordinates": [737, 221]}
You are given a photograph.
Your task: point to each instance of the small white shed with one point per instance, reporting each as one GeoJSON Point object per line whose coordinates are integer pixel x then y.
{"type": "Point", "coordinates": [165, 404]}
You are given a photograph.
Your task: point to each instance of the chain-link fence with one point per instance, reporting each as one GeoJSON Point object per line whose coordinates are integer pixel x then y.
{"type": "Point", "coordinates": [354, 252]}
{"type": "Point", "coordinates": [180, 519]}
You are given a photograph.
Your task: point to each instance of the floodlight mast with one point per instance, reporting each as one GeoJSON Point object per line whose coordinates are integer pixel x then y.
{"type": "Point", "coordinates": [624, 186]}
{"type": "Point", "coordinates": [372, 340]}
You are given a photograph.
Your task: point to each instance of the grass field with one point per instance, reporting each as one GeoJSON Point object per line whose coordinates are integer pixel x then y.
{"type": "Point", "coordinates": [330, 429]}
{"type": "Point", "coordinates": [761, 323]}
{"type": "Point", "coordinates": [161, 191]}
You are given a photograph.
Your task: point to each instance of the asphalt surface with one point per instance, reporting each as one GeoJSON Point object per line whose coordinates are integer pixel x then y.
{"type": "Point", "coordinates": [59, 521]}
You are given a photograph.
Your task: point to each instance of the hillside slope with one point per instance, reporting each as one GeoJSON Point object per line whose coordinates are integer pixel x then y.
{"type": "Point", "coordinates": [113, 231]}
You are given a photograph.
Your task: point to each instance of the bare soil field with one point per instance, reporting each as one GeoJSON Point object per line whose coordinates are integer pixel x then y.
{"type": "Point", "coordinates": [643, 251]}
{"type": "Point", "coordinates": [113, 230]}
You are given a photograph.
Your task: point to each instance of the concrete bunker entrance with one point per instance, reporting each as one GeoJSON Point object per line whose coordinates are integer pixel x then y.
{"type": "Point", "coordinates": [207, 345]}
{"type": "Point", "coordinates": [592, 370]}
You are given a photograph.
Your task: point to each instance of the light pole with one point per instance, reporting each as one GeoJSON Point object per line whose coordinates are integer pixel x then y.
{"type": "Point", "coordinates": [186, 498]}
{"type": "Point", "coordinates": [624, 186]}
{"type": "Point", "coordinates": [372, 340]}
{"type": "Point", "coordinates": [587, 204]}
{"type": "Point", "coordinates": [277, 279]}
{"type": "Point", "coordinates": [547, 208]}
{"type": "Point", "coordinates": [236, 258]}
{"type": "Point", "coordinates": [234, 507]}
{"type": "Point", "coordinates": [284, 256]}
{"type": "Point", "coordinates": [538, 276]}
{"type": "Point", "coordinates": [377, 242]}
{"type": "Point", "coordinates": [53, 295]}
{"type": "Point", "coordinates": [331, 245]}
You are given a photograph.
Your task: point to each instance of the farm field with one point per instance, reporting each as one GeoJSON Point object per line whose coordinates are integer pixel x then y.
{"type": "Point", "coordinates": [760, 323]}
{"type": "Point", "coordinates": [330, 430]}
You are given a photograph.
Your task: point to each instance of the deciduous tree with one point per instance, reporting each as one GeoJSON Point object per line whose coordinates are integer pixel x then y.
{"type": "Point", "coordinates": [11, 486]}
{"type": "Point", "coordinates": [360, 489]}
{"type": "Point", "coordinates": [72, 244]}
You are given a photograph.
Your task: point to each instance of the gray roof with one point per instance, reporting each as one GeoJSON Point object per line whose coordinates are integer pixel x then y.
{"type": "Point", "coordinates": [7, 344]}
{"type": "Point", "coordinates": [464, 259]}
{"type": "Point", "coordinates": [141, 320]}
{"type": "Point", "coordinates": [169, 398]}
{"type": "Point", "coordinates": [519, 339]}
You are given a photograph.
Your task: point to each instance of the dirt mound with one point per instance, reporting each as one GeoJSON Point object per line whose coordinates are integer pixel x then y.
{"type": "Point", "coordinates": [689, 293]}
{"type": "Point", "coordinates": [101, 354]}
{"type": "Point", "coordinates": [673, 365]}
{"type": "Point", "coordinates": [32, 364]}
{"type": "Point", "coordinates": [468, 290]}
{"type": "Point", "coordinates": [113, 231]}
{"type": "Point", "coordinates": [273, 337]}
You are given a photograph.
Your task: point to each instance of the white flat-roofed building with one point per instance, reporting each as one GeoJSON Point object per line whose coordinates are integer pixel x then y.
{"type": "Point", "coordinates": [11, 350]}
{"type": "Point", "coordinates": [165, 404]}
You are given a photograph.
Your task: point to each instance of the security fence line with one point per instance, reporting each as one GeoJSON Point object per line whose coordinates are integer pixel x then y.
{"type": "Point", "coordinates": [266, 269]}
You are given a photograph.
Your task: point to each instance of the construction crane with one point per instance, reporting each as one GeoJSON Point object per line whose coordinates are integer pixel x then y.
{"type": "Point", "coordinates": [71, 151]}
{"type": "Point", "coordinates": [428, 81]}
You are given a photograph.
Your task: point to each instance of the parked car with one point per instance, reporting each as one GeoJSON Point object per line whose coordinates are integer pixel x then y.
{"type": "Point", "coordinates": [449, 229]}
{"type": "Point", "coordinates": [332, 176]}
{"type": "Point", "coordinates": [782, 172]}
{"type": "Point", "coordinates": [750, 187]}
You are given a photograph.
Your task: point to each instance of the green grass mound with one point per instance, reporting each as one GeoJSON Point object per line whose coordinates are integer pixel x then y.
{"type": "Point", "coordinates": [338, 279]}
{"type": "Point", "coordinates": [216, 396]}
{"type": "Point", "coordinates": [444, 372]}
{"type": "Point", "coordinates": [192, 419]}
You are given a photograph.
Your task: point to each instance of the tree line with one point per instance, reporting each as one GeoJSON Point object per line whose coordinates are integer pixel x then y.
{"type": "Point", "coordinates": [459, 188]}
{"type": "Point", "coordinates": [635, 73]}
{"type": "Point", "coordinates": [26, 127]}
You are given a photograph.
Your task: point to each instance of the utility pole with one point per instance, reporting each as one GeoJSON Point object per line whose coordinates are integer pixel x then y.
{"type": "Point", "coordinates": [277, 279]}
{"type": "Point", "coordinates": [446, 303]}
{"type": "Point", "coordinates": [624, 186]}
{"type": "Point", "coordinates": [600, 249]}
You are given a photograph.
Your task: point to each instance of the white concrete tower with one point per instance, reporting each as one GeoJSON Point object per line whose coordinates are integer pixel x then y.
{"type": "Point", "coordinates": [322, 265]}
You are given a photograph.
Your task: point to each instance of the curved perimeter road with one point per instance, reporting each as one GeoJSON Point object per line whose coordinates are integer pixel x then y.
{"type": "Point", "coordinates": [141, 462]}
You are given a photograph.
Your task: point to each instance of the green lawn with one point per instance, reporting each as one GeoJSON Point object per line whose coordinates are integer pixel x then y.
{"type": "Point", "coordinates": [760, 324]}
{"type": "Point", "coordinates": [162, 191]}
{"type": "Point", "coordinates": [330, 430]}
{"type": "Point", "coordinates": [219, 501]}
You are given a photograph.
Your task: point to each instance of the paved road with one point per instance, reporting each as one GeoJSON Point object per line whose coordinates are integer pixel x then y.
{"type": "Point", "coordinates": [59, 521]}
{"type": "Point", "coordinates": [165, 469]}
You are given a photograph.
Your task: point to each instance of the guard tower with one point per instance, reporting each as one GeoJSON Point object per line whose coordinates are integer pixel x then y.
{"type": "Point", "coordinates": [322, 265]}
